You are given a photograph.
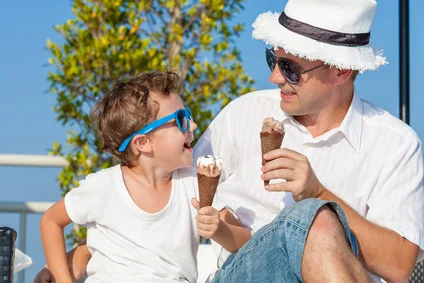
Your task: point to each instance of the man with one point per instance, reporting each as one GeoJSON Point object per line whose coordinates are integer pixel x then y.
{"type": "Point", "coordinates": [336, 148]}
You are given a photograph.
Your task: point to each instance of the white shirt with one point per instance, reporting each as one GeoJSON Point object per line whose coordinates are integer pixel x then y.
{"type": "Point", "coordinates": [373, 161]}
{"type": "Point", "coordinates": [130, 245]}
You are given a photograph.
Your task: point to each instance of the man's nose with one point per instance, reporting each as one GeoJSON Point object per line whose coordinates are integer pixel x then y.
{"type": "Point", "coordinates": [276, 77]}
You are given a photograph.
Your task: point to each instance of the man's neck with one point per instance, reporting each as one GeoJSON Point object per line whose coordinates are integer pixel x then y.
{"type": "Point", "coordinates": [328, 118]}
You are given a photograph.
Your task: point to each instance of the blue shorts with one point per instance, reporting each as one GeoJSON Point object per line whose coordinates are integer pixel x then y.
{"type": "Point", "coordinates": [274, 253]}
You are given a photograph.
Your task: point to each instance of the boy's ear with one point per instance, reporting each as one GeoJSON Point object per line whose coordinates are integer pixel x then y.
{"type": "Point", "coordinates": [142, 143]}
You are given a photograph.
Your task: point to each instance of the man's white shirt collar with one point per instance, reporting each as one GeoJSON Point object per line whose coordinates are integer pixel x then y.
{"type": "Point", "coordinates": [351, 126]}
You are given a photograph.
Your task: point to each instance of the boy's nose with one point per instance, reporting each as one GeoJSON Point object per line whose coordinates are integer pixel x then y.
{"type": "Point", "coordinates": [193, 126]}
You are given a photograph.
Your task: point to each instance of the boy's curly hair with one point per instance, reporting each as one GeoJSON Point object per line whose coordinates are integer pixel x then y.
{"type": "Point", "coordinates": [127, 108]}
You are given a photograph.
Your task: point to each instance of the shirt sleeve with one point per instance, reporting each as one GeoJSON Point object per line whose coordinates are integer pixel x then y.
{"type": "Point", "coordinates": [80, 203]}
{"type": "Point", "coordinates": [397, 202]}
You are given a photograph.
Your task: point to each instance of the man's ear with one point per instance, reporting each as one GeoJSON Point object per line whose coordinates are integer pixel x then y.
{"type": "Point", "coordinates": [142, 144]}
{"type": "Point", "coordinates": [342, 76]}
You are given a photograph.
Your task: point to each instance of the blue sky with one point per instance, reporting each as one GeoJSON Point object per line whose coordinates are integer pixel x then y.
{"type": "Point", "coordinates": [28, 124]}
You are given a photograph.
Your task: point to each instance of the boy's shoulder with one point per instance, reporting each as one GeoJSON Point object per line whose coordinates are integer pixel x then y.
{"type": "Point", "coordinates": [187, 178]}
{"type": "Point", "coordinates": [102, 177]}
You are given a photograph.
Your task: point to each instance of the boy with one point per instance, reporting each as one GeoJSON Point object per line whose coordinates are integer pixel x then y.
{"type": "Point", "coordinates": [141, 226]}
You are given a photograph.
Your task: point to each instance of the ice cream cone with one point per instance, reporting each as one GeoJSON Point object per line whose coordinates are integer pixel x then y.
{"type": "Point", "coordinates": [271, 138]}
{"type": "Point", "coordinates": [208, 173]}
{"type": "Point", "coordinates": [207, 189]}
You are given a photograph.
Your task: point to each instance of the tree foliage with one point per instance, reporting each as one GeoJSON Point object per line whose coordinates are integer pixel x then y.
{"type": "Point", "coordinates": [109, 39]}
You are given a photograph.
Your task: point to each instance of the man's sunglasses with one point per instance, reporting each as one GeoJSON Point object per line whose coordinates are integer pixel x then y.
{"type": "Point", "coordinates": [288, 69]}
{"type": "Point", "coordinates": [181, 116]}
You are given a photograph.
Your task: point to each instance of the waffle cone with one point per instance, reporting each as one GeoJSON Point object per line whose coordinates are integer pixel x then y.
{"type": "Point", "coordinates": [207, 189]}
{"type": "Point", "coordinates": [270, 141]}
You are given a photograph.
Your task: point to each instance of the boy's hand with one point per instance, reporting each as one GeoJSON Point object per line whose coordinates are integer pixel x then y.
{"type": "Point", "coordinates": [207, 219]}
{"type": "Point", "coordinates": [44, 276]}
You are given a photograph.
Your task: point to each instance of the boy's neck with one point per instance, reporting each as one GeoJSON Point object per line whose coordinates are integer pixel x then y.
{"type": "Point", "coordinates": [150, 190]}
{"type": "Point", "coordinates": [150, 178]}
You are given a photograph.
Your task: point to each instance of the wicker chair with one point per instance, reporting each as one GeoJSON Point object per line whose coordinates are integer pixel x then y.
{"type": "Point", "coordinates": [417, 275]}
{"type": "Point", "coordinates": [7, 248]}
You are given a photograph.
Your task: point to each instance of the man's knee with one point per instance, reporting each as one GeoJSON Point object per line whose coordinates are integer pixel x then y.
{"type": "Point", "coordinates": [326, 221]}
{"type": "Point", "coordinates": [327, 228]}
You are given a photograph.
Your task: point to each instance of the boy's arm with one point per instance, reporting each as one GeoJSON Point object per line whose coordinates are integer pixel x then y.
{"type": "Point", "coordinates": [231, 233]}
{"type": "Point", "coordinates": [51, 228]}
{"type": "Point", "coordinates": [78, 259]}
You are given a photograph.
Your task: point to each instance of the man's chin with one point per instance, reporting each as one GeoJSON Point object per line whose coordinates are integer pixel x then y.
{"type": "Point", "coordinates": [291, 111]}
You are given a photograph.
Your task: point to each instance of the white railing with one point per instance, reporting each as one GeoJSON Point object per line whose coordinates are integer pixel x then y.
{"type": "Point", "coordinates": [32, 160]}
{"type": "Point", "coordinates": [205, 257]}
{"type": "Point", "coordinates": [23, 208]}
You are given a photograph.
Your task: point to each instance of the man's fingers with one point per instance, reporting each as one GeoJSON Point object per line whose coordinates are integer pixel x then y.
{"type": "Point", "coordinates": [280, 163]}
{"type": "Point", "coordinates": [279, 187]}
{"type": "Point", "coordinates": [285, 174]}
{"type": "Point", "coordinates": [283, 152]}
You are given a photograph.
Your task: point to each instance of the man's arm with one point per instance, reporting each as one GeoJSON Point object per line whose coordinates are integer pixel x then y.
{"type": "Point", "coordinates": [383, 251]}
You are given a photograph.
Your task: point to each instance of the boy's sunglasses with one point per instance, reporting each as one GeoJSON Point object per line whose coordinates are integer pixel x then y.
{"type": "Point", "coordinates": [181, 116]}
{"type": "Point", "coordinates": [288, 69]}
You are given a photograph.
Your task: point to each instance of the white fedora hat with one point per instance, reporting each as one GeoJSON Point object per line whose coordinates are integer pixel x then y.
{"type": "Point", "coordinates": [336, 32]}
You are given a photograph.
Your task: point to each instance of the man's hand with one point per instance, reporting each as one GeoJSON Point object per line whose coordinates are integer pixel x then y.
{"type": "Point", "coordinates": [207, 219]}
{"type": "Point", "coordinates": [295, 168]}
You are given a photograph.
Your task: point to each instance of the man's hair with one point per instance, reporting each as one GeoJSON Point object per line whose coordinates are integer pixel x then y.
{"type": "Point", "coordinates": [354, 74]}
{"type": "Point", "coordinates": [128, 107]}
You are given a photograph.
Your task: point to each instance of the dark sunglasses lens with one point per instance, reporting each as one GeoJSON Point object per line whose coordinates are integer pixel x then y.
{"type": "Point", "coordinates": [182, 120]}
{"type": "Point", "coordinates": [290, 71]}
{"type": "Point", "coordinates": [270, 59]}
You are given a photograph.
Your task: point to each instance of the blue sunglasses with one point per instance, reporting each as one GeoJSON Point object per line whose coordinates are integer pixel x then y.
{"type": "Point", "coordinates": [181, 116]}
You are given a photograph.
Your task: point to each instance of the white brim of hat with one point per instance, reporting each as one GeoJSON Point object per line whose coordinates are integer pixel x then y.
{"type": "Point", "coordinates": [361, 58]}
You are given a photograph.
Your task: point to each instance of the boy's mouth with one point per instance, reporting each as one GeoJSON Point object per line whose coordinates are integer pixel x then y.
{"type": "Point", "coordinates": [187, 145]}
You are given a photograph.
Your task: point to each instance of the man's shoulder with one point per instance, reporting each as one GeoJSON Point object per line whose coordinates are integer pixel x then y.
{"type": "Point", "coordinates": [378, 118]}
{"type": "Point", "coordinates": [263, 96]}
{"type": "Point", "coordinates": [255, 104]}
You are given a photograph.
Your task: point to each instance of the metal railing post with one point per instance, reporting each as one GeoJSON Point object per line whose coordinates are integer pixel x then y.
{"type": "Point", "coordinates": [404, 60]}
{"type": "Point", "coordinates": [22, 240]}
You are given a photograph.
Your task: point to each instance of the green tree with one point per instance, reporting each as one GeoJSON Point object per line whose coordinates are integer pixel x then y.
{"type": "Point", "coordinates": [109, 39]}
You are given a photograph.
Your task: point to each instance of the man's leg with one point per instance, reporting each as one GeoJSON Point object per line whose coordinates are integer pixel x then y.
{"type": "Point", "coordinates": [275, 253]}
{"type": "Point", "coordinates": [328, 256]}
